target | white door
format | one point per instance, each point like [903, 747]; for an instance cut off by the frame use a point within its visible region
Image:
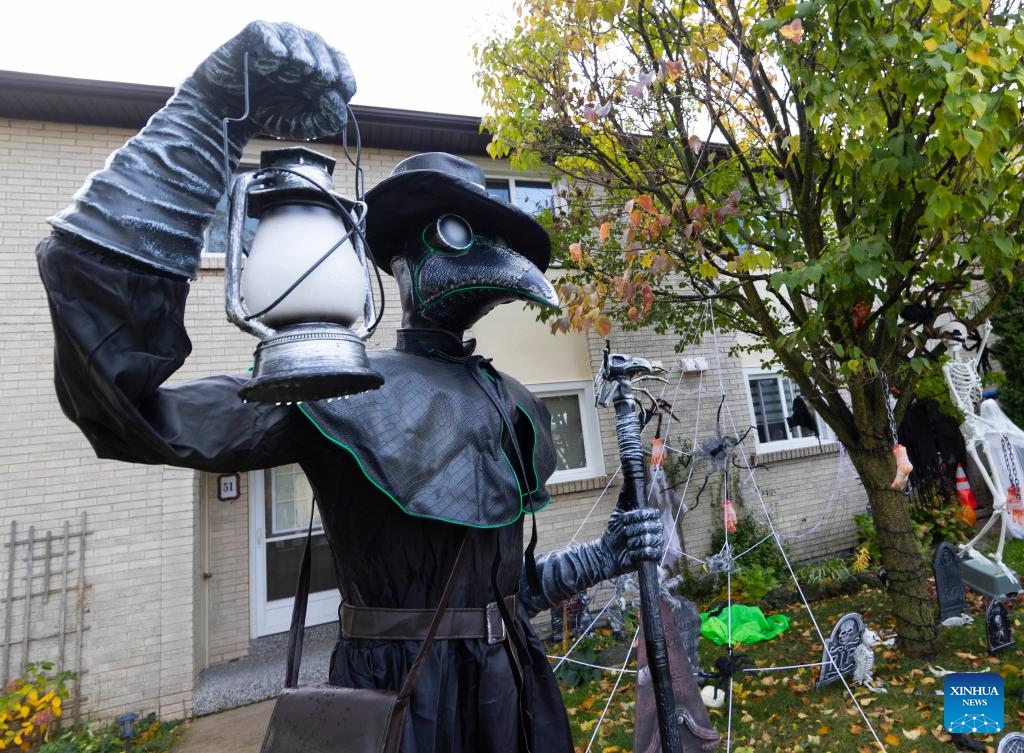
[282, 500]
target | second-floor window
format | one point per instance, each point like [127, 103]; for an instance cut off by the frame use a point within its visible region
[531, 196]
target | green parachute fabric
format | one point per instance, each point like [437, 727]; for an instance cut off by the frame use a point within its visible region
[749, 625]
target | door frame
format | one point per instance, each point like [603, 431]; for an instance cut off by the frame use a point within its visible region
[270, 617]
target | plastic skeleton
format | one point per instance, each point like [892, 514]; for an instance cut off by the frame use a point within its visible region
[864, 660]
[964, 381]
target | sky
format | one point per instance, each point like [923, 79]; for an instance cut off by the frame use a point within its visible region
[405, 54]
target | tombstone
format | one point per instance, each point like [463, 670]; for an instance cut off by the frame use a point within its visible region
[1013, 742]
[949, 584]
[840, 646]
[688, 624]
[575, 608]
[998, 627]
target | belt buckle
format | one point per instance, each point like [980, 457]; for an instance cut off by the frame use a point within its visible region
[496, 631]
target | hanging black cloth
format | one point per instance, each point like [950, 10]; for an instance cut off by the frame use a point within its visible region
[934, 444]
[802, 417]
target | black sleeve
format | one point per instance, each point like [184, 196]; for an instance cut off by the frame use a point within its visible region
[119, 334]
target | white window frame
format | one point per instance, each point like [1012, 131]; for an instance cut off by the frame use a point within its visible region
[583, 390]
[824, 432]
[512, 182]
[270, 617]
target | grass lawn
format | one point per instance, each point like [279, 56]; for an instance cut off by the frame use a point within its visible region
[783, 711]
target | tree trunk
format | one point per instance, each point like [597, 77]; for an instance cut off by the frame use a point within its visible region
[907, 572]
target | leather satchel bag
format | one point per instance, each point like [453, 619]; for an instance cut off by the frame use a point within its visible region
[328, 719]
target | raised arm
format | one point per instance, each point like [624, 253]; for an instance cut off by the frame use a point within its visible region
[117, 265]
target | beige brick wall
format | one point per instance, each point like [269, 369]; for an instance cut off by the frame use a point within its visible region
[138, 640]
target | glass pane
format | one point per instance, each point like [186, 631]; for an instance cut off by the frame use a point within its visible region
[791, 391]
[567, 431]
[499, 190]
[217, 232]
[533, 198]
[769, 414]
[284, 559]
[289, 501]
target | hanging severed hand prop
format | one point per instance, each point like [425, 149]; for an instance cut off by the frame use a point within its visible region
[155, 197]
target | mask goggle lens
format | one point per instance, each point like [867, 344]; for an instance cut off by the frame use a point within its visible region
[449, 233]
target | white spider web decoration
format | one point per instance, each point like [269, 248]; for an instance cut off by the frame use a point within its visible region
[759, 508]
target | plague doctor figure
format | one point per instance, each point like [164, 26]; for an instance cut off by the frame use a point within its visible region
[399, 473]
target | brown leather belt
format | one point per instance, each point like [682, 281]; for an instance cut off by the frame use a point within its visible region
[375, 623]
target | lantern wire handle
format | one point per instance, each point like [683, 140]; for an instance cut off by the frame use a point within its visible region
[358, 188]
[360, 204]
[244, 116]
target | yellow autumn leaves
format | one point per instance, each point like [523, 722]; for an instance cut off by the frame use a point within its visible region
[29, 705]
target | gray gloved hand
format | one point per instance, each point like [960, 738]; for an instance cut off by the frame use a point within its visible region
[298, 85]
[634, 535]
[631, 536]
[156, 195]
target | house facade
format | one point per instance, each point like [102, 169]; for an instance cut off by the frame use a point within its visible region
[139, 578]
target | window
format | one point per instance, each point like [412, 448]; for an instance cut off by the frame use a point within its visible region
[574, 429]
[288, 503]
[772, 411]
[532, 197]
[217, 230]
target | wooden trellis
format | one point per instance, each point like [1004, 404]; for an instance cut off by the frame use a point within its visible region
[44, 601]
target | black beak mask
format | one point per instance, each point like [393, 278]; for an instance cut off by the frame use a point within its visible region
[456, 251]
[452, 277]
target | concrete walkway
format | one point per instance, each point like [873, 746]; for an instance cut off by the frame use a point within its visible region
[233, 701]
[238, 730]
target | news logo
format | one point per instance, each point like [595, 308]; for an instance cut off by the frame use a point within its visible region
[973, 703]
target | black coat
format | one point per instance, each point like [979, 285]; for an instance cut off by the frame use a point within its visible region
[119, 335]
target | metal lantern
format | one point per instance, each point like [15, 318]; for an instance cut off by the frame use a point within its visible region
[303, 284]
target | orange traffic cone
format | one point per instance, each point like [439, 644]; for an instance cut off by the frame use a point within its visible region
[963, 489]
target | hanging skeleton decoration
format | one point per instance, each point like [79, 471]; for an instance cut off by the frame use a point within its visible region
[988, 434]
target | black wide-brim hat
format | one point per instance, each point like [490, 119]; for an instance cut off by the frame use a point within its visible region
[423, 187]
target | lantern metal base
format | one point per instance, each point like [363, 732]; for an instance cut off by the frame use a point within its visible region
[309, 361]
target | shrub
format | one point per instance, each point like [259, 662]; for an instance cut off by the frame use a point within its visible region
[152, 736]
[30, 705]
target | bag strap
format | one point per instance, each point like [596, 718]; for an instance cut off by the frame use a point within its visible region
[298, 626]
